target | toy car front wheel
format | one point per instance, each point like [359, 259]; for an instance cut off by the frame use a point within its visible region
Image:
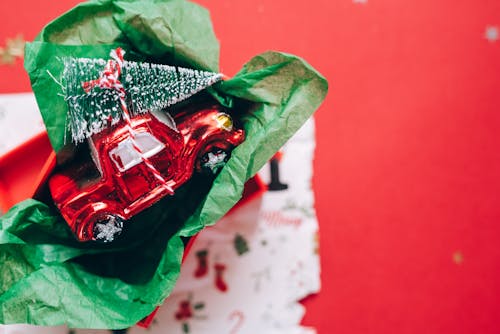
[214, 159]
[107, 228]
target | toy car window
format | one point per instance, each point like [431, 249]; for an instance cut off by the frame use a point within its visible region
[165, 118]
[94, 155]
[125, 156]
[148, 144]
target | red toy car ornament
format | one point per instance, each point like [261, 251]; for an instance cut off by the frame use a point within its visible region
[131, 169]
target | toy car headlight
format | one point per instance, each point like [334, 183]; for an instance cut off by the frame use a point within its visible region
[224, 121]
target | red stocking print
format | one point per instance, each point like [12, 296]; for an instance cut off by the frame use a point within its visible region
[219, 279]
[202, 268]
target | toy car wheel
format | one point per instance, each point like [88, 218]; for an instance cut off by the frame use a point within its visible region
[213, 160]
[108, 227]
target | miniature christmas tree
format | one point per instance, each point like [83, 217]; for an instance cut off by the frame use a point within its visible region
[94, 104]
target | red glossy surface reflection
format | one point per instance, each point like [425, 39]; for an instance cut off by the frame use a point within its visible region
[116, 183]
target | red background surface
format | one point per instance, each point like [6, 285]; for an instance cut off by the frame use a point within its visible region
[407, 163]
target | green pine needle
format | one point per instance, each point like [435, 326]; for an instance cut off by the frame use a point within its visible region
[147, 86]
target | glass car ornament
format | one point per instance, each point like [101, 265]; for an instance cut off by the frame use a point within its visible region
[96, 199]
[140, 153]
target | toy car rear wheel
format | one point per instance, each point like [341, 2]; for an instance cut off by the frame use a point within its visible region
[107, 228]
